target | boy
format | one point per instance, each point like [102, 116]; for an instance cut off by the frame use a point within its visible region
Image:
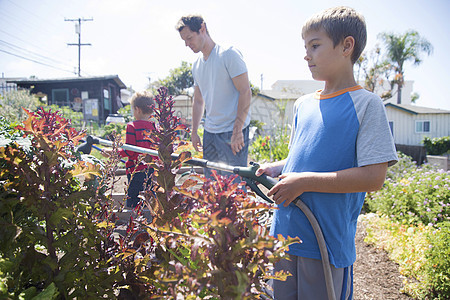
[340, 148]
[142, 106]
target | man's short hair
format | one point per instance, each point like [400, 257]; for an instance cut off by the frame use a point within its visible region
[339, 23]
[144, 100]
[193, 22]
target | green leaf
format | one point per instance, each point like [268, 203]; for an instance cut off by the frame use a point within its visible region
[50, 292]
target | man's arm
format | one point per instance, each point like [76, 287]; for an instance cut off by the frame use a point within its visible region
[198, 107]
[241, 83]
[361, 179]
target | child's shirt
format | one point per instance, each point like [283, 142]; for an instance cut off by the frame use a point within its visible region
[135, 135]
[339, 131]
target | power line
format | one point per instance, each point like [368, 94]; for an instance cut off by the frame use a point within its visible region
[29, 52]
[35, 61]
[78, 31]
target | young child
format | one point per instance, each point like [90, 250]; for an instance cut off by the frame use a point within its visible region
[340, 148]
[141, 105]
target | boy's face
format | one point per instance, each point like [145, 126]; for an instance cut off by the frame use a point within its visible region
[192, 39]
[324, 60]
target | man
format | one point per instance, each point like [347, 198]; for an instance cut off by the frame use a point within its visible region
[221, 86]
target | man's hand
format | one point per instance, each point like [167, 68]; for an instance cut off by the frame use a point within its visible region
[237, 141]
[196, 142]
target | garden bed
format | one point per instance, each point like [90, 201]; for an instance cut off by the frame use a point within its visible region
[375, 275]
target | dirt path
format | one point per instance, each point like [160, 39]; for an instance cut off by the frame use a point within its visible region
[374, 275]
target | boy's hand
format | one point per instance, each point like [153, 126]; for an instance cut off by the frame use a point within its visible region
[269, 169]
[287, 189]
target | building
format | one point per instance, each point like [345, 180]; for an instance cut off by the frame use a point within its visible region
[273, 109]
[96, 97]
[409, 123]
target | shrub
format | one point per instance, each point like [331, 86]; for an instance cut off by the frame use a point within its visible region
[268, 149]
[114, 128]
[51, 242]
[61, 238]
[422, 253]
[12, 102]
[437, 146]
[419, 195]
[438, 262]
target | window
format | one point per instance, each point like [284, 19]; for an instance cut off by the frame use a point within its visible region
[106, 100]
[60, 97]
[422, 126]
[391, 126]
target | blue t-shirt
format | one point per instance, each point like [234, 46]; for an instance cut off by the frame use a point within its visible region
[214, 79]
[334, 132]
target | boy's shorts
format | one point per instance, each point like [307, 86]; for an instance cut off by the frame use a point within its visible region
[308, 280]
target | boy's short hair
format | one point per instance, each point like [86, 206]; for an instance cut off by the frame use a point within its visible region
[193, 22]
[144, 101]
[339, 23]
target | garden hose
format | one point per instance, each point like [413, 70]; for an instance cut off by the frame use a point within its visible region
[249, 175]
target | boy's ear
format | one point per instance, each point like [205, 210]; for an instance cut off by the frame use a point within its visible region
[349, 45]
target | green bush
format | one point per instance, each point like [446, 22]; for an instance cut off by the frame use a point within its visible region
[117, 128]
[438, 262]
[437, 146]
[422, 253]
[404, 165]
[415, 203]
[415, 195]
[12, 102]
[268, 149]
[52, 244]
[61, 238]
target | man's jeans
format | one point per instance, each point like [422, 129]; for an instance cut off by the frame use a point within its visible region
[217, 148]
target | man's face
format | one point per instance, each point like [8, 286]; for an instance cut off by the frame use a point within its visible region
[192, 39]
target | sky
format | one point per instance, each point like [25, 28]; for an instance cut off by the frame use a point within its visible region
[137, 40]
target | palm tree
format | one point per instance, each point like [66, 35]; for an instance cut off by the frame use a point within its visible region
[401, 48]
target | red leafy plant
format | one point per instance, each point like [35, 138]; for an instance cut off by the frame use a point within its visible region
[61, 238]
[52, 244]
[203, 241]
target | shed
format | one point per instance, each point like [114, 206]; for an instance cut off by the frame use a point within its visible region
[96, 97]
[274, 108]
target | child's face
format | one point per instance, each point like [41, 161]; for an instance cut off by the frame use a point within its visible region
[324, 60]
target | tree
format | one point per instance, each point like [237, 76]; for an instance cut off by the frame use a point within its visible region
[178, 82]
[374, 71]
[12, 102]
[402, 48]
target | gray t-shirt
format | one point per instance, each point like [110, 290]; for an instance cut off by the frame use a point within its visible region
[214, 79]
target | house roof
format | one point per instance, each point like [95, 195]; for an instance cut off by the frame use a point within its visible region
[413, 109]
[274, 95]
[115, 78]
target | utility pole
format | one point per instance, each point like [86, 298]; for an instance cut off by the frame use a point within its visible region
[78, 31]
[262, 79]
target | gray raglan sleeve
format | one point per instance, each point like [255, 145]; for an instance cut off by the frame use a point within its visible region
[375, 143]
